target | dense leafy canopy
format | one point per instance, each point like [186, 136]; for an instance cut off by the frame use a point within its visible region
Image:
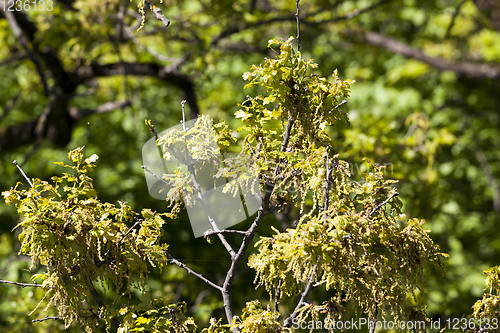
[424, 104]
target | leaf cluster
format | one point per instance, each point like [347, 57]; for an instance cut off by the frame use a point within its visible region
[81, 240]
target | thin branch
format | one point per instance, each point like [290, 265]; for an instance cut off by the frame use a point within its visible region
[453, 19]
[139, 221]
[231, 273]
[24, 285]
[46, 318]
[183, 115]
[78, 115]
[338, 105]
[226, 231]
[15, 57]
[22, 172]
[317, 284]
[327, 182]
[348, 16]
[277, 295]
[168, 74]
[190, 271]
[201, 200]
[9, 106]
[374, 322]
[298, 24]
[154, 175]
[468, 69]
[158, 14]
[383, 203]
[302, 301]
[249, 146]
[18, 33]
[288, 130]
[100, 303]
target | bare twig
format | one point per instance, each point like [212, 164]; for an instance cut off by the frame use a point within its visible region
[327, 182]
[249, 146]
[78, 115]
[348, 16]
[288, 130]
[46, 318]
[18, 32]
[337, 106]
[201, 200]
[190, 271]
[281, 18]
[453, 18]
[22, 172]
[462, 68]
[158, 14]
[383, 203]
[183, 115]
[317, 284]
[157, 177]
[298, 24]
[139, 221]
[226, 231]
[24, 285]
[277, 295]
[9, 106]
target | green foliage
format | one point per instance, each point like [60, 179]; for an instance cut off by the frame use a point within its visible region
[160, 318]
[346, 240]
[426, 124]
[346, 236]
[489, 306]
[81, 240]
[254, 319]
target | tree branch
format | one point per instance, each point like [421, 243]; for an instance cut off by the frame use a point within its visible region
[24, 285]
[207, 213]
[18, 33]
[77, 115]
[158, 14]
[231, 273]
[190, 271]
[302, 301]
[462, 68]
[97, 298]
[306, 19]
[167, 74]
[383, 203]
[227, 231]
[46, 318]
